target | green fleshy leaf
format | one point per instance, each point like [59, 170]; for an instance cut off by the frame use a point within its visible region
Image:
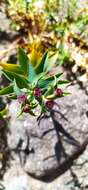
[16, 88]
[11, 67]
[4, 112]
[32, 113]
[20, 112]
[49, 91]
[7, 90]
[33, 105]
[51, 62]
[32, 74]
[42, 66]
[38, 77]
[44, 82]
[21, 81]
[66, 93]
[12, 97]
[62, 82]
[23, 61]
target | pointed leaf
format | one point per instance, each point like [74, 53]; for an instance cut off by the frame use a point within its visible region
[4, 112]
[50, 62]
[23, 61]
[12, 97]
[44, 82]
[66, 93]
[11, 67]
[32, 113]
[35, 57]
[62, 82]
[33, 105]
[21, 81]
[16, 88]
[7, 90]
[32, 74]
[49, 91]
[42, 66]
[39, 77]
[20, 112]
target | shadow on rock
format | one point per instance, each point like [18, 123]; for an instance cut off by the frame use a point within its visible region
[4, 151]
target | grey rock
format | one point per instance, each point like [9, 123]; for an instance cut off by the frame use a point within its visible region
[16, 183]
[16, 178]
[80, 169]
[37, 153]
[48, 149]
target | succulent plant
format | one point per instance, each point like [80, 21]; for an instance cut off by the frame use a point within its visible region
[32, 85]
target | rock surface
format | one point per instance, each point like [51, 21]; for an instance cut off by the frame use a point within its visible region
[48, 149]
[74, 179]
[16, 177]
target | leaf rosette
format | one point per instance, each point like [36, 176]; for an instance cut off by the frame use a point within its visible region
[32, 85]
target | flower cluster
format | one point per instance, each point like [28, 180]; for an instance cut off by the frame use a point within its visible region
[38, 96]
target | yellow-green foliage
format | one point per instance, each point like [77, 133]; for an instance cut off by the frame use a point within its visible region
[49, 24]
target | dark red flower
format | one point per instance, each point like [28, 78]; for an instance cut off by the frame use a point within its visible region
[59, 92]
[37, 92]
[49, 104]
[26, 109]
[22, 98]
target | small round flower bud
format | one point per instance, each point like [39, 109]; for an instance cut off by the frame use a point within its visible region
[26, 109]
[59, 92]
[22, 98]
[37, 92]
[49, 104]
